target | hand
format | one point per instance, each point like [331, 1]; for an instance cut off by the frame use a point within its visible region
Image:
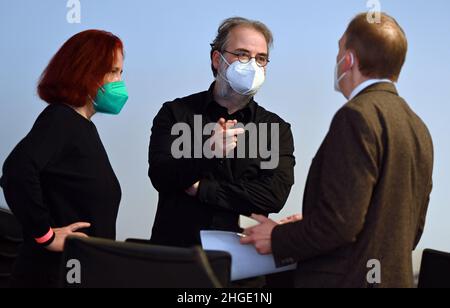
[224, 138]
[261, 235]
[291, 219]
[193, 190]
[62, 233]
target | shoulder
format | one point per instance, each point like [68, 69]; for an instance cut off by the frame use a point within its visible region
[193, 103]
[378, 101]
[56, 115]
[352, 116]
[265, 116]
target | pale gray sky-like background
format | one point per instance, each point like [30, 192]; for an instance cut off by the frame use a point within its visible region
[167, 56]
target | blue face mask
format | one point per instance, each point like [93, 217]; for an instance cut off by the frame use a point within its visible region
[111, 98]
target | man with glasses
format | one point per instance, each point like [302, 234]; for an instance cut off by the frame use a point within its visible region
[200, 193]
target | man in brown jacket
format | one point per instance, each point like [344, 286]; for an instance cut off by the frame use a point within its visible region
[369, 185]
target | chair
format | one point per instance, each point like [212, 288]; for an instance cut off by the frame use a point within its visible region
[10, 241]
[109, 264]
[435, 270]
[220, 262]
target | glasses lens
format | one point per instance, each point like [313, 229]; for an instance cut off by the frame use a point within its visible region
[262, 61]
[244, 58]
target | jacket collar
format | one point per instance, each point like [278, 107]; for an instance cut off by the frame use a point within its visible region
[380, 87]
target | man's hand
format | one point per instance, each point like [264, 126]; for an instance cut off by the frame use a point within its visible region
[193, 190]
[291, 219]
[223, 141]
[62, 233]
[224, 138]
[261, 235]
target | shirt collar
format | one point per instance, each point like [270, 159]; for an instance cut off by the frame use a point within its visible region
[365, 85]
[249, 111]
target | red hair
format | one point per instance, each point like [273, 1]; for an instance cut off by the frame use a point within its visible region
[78, 69]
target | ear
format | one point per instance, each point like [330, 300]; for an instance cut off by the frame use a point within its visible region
[350, 60]
[216, 60]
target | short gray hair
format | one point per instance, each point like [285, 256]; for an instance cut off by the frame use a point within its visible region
[221, 40]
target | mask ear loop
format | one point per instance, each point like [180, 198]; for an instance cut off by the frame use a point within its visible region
[352, 59]
[225, 78]
[100, 87]
[220, 74]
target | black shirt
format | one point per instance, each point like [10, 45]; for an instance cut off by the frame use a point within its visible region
[228, 187]
[60, 174]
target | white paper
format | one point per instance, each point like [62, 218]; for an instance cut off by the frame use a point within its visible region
[247, 222]
[246, 262]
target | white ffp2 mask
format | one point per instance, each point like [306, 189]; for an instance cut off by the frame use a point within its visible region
[244, 78]
[337, 78]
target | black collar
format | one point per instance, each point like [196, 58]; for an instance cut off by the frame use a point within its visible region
[211, 107]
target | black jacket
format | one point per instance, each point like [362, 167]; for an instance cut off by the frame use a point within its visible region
[59, 174]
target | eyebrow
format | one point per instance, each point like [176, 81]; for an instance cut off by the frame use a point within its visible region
[247, 51]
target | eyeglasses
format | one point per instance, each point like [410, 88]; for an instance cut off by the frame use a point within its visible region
[244, 57]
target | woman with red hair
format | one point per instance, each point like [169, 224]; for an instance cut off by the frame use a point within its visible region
[58, 181]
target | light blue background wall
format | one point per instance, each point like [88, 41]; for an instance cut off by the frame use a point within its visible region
[167, 56]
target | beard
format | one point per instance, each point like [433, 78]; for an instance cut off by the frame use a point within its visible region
[225, 91]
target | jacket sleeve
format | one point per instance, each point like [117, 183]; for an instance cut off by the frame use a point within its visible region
[348, 172]
[265, 194]
[169, 174]
[422, 219]
[21, 180]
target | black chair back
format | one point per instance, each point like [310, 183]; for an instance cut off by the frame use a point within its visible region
[435, 270]
[220, 262]
[10, 241]
[109, 264]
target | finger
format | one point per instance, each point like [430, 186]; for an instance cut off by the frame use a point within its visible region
[260, 218]
[231, 124]
[246, 240]
[79, 234]
[221, 122]
[230, 146]
[250, 231]
[79, 225]
[247, 232]
[295, 218]
[287, 219]
[234, 132]
[230, 142]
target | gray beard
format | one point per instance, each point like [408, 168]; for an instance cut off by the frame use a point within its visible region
[226, 92]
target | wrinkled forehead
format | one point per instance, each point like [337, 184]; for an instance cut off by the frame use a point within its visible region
[247, 38]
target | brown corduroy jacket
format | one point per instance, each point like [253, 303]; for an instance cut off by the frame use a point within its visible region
[366, 197]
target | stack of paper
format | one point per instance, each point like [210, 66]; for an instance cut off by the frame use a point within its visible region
[246, 261]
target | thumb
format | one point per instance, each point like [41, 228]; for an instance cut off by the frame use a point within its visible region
[79, 234]
[231, 124]
[222, 122]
